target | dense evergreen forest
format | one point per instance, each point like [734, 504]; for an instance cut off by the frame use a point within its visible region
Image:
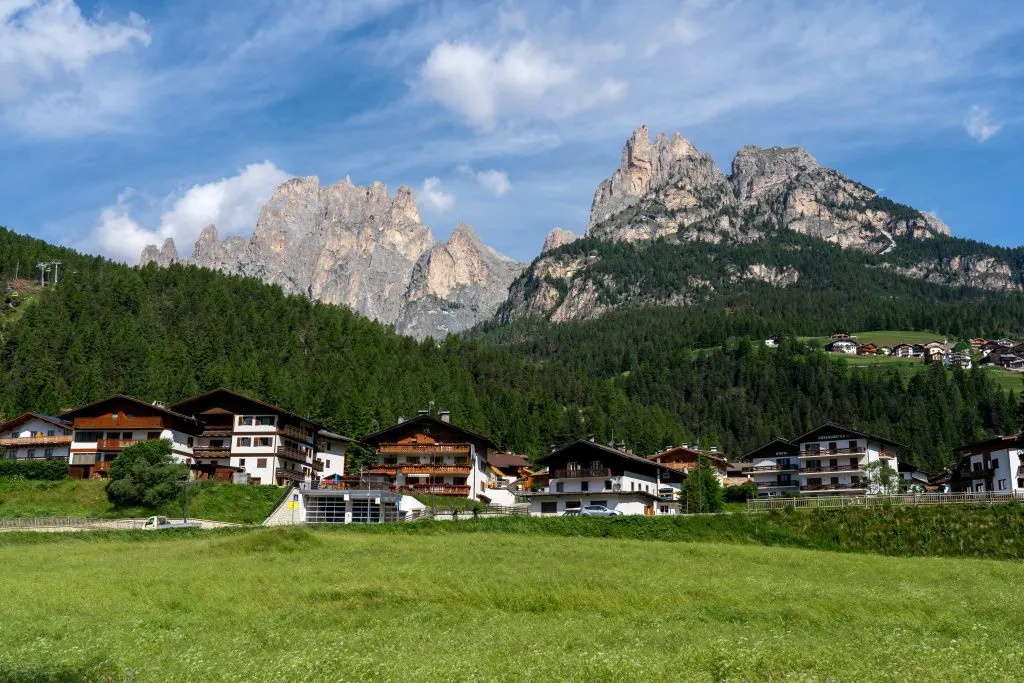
[637, 376]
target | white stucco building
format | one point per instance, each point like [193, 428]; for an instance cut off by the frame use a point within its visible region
[32, 436]
[991, 466]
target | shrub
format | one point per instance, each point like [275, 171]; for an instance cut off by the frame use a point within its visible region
[145, 475]
[741, 493]
[47, 470]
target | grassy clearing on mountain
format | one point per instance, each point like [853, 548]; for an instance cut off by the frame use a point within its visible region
[314, 605]
[77, 498]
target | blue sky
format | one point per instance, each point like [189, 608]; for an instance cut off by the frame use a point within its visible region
[122, 122]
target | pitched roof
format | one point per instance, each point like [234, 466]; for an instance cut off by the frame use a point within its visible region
[849, 430]
[180, 405]
[25, 417]
[776, 441]
[332, 435]
[431, 420]
[131, 399]
[1008, 439]
[507, 460]
[610, 451]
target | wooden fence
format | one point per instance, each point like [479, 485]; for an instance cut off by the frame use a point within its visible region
[780, 503]
[69, 523]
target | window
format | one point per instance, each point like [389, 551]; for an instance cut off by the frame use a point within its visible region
[327, 464]
[572, 505]
[127, 436]
[1002, 484]
[608, 485]
[832, 446]
[189, 442]
[390, 460]
[995, 463]
[559, 487]
[572, 466]
[88, 437]
[216, 443]
[548, 508]
[265, 420]
[261, 462]
[244, 442]
[113, 435]
[82, 458]
[241, 462]
[48, 453]
[853, 445]
[262, 441]
[1020, 483]
[152, 436]
[976, 467]
[245, 420]
[51, 432]
[834, 462]
[632, 486]
[596, 464]
[584, 486]
[31, 452]
[813, 448]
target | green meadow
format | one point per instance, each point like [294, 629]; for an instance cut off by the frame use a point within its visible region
[434, 603]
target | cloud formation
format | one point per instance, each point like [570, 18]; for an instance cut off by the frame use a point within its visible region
[494, 181]
[232, 204]
[435, 197]
[979, 124]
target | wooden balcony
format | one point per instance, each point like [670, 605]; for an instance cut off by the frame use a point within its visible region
[211, 451]
[293, 454]
[115, 444]
[289, 475]
[56, 440]
[120, 423]
[582, 473]
[295, 433]
[983, 473]
[438, 470]
[833, 451]
[776, 484]
[435, 489]
[834, 468]
[424, 448]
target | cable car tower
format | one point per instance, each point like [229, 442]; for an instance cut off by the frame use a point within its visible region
[44, 270]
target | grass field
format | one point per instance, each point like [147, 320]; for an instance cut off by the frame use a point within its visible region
[297, 604]
[221, 502]
[885, 337]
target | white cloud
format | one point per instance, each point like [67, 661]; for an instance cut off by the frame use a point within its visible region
[979, 125]
[435, 197]
[483, 84]
[42, 40]
[232, 204]
[496, 182]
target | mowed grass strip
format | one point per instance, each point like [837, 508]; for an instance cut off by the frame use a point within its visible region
[301, 604]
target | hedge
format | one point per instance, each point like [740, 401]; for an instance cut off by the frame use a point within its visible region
[50, 470]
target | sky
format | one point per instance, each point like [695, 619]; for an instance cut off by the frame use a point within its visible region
[123, 122]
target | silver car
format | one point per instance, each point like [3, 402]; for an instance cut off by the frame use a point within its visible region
[597, 511]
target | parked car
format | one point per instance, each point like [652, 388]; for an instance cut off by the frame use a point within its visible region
[160, 522]
[597, 511]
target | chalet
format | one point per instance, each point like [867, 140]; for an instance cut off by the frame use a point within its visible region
[918, 351]
[992, 465]
[962, 360]
[587, 473]
[1005, 360]
[686, 459]
[867, 350]
[978, 343]
[772, 342]
[259, 442]
[505, 472]
[842, 346]
[832, 459]
[839, 334]
[431, 456]
[903, 351]
[32, 436]
[997, 345]
[912, 477]
[774, 467]
[934, 355]
[101, 430]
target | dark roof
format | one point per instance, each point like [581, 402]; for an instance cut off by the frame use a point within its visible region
[773, 442]
[995, 441]
[500, 460]
[332, 435]
[132, 399]
[221, 390]
[25, 417]
[609, 451]
[834, 426]
[431, 420]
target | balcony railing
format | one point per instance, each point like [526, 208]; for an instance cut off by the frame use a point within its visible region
[212, 451]
[56, 440]
[119, 423]
[296, 433]
[772, 468]
[831, 487]
[294, 454]
[582, 473]
[833, 451]
[290, 475]
[462, 448]
[834, 468]
[776, 484]
[115, 444]
[983, 473]
[436, 489]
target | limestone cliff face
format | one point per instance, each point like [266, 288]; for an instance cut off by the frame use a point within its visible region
[362, 248]
[163, 257]
[558, 238]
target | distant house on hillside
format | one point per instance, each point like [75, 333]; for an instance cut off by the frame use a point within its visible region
[884, 351]
[962, 359]
[32, 436]
[1005, 360]
[867, 350]
[934, 355]
[903, 351]
[839, 334]
[998, 345]
[772, 342]
[846, 346]
[978, 343]
[917, 351]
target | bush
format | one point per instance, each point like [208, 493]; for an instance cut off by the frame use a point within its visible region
[46, 470]
[701, 492]
[741, 493]
[145, 475]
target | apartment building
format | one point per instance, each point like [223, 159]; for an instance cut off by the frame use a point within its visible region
[774, 467]
[992, 465]
[330, 450]
[264, 444]
[102, 429]
[430, 455]
[587, 473]
[32, 436]
[829, 459]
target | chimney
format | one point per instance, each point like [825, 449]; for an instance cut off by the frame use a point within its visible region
[401, 419]
[421, 413]
[445, 415]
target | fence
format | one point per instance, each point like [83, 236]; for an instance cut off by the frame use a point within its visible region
[780, 503]
[69, 523]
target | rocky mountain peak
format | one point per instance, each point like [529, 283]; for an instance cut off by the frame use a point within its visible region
[163, 257]
[756, 170]
[557, 238]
